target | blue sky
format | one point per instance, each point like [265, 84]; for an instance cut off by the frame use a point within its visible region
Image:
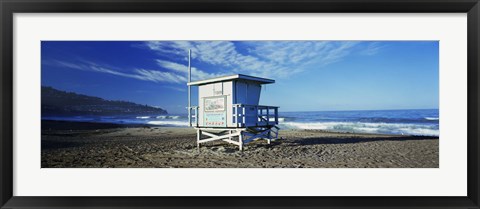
[310, 75]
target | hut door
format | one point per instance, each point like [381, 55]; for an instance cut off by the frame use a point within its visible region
[215, 111]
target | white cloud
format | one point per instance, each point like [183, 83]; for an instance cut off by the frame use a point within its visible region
[302, 52]
[260, 58]
[170, 47]
[372, 48]
[196, 73]
[66, 64]
[272, 59]
[159, 76]
[218, 53]
[139, 74]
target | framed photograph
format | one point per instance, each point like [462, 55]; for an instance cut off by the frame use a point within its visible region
[265, 104]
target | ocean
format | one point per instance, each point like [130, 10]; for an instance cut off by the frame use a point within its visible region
[423, 122]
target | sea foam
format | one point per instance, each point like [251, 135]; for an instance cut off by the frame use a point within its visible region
[357, 127]
[168, 123]
[168, 117]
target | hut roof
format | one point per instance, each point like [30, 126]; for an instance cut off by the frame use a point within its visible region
[231, 78]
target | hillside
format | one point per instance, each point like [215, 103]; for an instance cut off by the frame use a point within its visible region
[61, 103]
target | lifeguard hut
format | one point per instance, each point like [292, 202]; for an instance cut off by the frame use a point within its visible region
[228, 110]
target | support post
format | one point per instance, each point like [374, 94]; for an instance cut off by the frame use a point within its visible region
[269, 140]
[240, 141]
[199, 136]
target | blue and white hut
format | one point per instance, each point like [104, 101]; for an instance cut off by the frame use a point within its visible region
[228, 110]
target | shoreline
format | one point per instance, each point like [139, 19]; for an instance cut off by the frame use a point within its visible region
[83, 125]
[87, 145]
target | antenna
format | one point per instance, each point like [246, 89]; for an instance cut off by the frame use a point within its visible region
[189, 88]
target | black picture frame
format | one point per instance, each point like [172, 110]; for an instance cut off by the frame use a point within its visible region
[10, 7]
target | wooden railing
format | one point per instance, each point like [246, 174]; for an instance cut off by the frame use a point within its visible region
[265, 115]
[193, 120]
[242, 114]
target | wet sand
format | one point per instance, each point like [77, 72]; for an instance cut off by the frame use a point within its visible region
[93, 145]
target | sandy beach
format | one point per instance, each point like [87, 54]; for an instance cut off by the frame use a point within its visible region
[95, 145]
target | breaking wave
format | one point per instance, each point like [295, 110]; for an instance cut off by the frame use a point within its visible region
[168, 117]
[168, 123]
[358, 127]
